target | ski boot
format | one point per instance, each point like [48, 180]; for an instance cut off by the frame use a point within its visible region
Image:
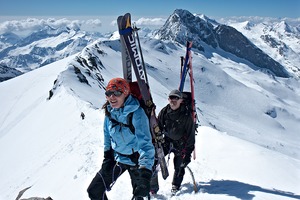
[174, 189]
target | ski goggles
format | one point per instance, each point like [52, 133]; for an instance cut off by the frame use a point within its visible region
[116, 93]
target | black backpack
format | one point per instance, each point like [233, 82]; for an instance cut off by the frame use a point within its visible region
[187, 100]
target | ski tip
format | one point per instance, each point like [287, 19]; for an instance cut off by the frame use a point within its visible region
[124, 21]
[127, 17]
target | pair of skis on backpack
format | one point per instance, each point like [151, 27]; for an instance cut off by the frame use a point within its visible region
[132, 57]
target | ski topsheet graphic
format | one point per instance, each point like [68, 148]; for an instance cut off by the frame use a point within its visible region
[128, 39]
[126, 63]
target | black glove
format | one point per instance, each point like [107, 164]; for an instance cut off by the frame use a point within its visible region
[109, 160]
[142, 183]
[109, 154]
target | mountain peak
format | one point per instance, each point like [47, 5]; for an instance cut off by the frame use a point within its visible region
[283, 25]
[182, 12]
[183, 26]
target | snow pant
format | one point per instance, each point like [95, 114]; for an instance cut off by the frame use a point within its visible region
[106, 177]
[177, 161]
[178, 172]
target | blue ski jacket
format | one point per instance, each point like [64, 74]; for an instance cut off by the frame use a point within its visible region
[123, 141]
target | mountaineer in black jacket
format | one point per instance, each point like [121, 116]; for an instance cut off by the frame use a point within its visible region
[176, 122]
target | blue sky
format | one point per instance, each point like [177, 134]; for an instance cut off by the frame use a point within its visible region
[151, 8]
[98, 15]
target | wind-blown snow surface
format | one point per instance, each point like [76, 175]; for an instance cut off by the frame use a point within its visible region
[253, 152]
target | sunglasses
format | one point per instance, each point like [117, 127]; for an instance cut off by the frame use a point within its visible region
[173, 97]
[115, 93]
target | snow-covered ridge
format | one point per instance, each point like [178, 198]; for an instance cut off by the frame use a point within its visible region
[279, 39]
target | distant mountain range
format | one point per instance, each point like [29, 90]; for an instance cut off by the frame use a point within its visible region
[40, 48]
[182, 26]
[270, 47]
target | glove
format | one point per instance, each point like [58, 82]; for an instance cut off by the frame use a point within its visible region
[109, 154]
[109, 160]
[142, 183]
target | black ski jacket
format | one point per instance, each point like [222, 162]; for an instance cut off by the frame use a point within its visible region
[178, 127]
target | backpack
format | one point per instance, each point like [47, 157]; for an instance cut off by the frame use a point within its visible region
[136, 93]
[188, 102]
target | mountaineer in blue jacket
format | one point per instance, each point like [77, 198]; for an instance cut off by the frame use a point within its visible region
[127, 145]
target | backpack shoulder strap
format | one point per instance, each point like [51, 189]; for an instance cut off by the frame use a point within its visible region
[129, 122]
[162, 116]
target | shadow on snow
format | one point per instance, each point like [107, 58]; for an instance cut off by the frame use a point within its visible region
[239, 190]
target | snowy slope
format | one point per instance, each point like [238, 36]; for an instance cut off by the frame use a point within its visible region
[247, 146]
[278, 38]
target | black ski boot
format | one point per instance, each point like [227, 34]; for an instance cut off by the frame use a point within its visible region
[174, 189]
